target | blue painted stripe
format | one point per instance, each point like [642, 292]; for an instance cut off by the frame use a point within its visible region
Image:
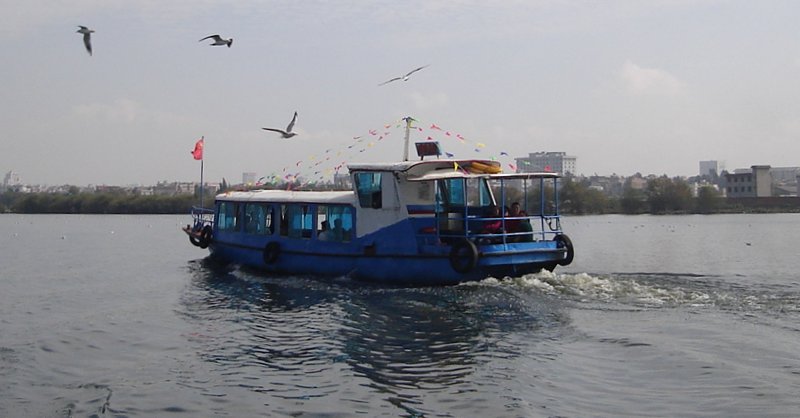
[421, 209]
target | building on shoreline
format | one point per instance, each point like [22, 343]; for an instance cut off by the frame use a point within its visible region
[755, 181]
[537, 162]
[761, 181]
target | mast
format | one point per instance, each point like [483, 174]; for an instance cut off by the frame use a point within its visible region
[202, 204]
[408, 120]
[202, 159]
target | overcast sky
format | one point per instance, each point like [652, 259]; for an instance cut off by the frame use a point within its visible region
[625, 86]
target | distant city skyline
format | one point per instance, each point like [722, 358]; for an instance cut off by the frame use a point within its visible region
[785, 173]
[626, 86]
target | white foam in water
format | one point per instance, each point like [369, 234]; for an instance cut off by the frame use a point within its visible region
[587, 287]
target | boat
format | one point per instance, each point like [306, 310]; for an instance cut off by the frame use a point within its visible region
[426, 222]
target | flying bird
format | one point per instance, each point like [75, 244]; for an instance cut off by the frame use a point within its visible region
[87, 38]
[288, 132]
[405, 77]
[218, 40]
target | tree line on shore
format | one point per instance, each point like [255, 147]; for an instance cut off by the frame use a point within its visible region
[95, 203]
[662, 195]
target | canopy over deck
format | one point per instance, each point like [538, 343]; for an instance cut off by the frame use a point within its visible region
[447, 168]
[344, 197]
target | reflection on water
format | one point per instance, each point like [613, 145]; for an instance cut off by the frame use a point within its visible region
[307, 334]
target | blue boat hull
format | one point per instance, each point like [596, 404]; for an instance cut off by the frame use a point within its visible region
[368, 260]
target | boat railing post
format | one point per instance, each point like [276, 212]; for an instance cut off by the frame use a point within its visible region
[541, 208]
[503, 213]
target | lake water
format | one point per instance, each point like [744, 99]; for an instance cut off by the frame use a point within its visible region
[658, 316]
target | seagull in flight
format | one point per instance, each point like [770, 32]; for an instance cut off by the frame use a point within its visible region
[288, 132]
[405, 77]
[218, 40]
[87, 37]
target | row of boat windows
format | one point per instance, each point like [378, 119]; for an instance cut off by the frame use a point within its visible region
[322, 222]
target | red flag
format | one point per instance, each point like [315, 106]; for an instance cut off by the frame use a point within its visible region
[198, 149]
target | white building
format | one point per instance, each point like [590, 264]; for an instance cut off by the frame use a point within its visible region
[557, 162]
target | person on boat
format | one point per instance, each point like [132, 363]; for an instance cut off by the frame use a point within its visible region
[494, 223]
[325, 233]
[526, 227]
[513, 224]
[337, 233]
[518, 223]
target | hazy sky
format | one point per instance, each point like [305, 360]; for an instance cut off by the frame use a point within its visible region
[625, 86]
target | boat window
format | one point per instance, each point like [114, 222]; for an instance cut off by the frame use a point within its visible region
[456, 192]
[228, 216]
[478, 193]
[452, 190]
[368, 187]
[338, 223]
[322, 219]
[258, 218]
[299, 221]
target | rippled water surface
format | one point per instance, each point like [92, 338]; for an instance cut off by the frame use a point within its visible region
[658, 316]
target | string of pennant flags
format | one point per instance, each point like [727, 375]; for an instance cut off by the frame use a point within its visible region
[317, 168]
[321, 167]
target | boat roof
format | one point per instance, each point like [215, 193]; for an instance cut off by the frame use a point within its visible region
[289, 196]
[401, 166]
[452, 174]
[446, 168]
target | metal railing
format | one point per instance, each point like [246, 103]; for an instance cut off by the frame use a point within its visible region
[512, 229]
[201, 217]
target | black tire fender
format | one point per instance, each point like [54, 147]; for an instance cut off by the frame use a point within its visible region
[194, 240]
[205, 237]
[563, 241]
[464, 256]
[271, 252]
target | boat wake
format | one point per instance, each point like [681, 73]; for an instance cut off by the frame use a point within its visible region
[656, 290]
